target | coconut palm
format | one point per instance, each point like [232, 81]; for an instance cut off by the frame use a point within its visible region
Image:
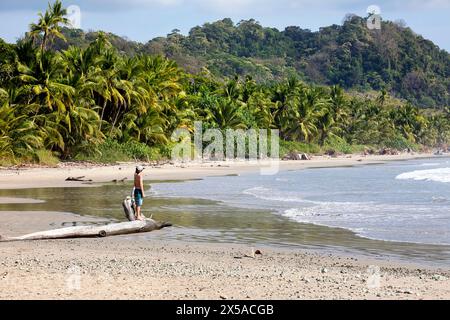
[226, 115]
[302, 122]
[49, 25]
[19, 135]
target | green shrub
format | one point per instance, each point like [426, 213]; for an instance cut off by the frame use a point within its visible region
[7, 161]
[287, 147]
[401, 143]
[46, 158]
[340, 145]
[112, 151]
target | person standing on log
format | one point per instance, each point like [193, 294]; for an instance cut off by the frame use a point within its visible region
[139, 193]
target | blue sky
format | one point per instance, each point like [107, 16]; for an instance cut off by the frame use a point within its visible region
[142, 20]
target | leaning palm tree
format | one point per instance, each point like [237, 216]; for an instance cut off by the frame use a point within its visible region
[19, 135]
[41, 83]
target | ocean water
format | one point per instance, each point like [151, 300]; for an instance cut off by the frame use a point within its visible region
[403, 202]
[399, 210]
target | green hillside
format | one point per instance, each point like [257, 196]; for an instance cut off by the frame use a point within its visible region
[394, 58]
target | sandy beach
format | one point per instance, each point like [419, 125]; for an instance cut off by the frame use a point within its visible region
[131, 267]
[37, 177]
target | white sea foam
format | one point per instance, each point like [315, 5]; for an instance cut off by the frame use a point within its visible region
[375, 221]
[430, 164]
[274, 195]
[437, 175]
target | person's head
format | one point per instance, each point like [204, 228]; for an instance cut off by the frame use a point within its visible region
[139, 169]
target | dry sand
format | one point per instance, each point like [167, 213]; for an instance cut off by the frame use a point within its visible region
[133, 268]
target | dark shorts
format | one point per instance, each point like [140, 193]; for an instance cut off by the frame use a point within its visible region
[138, 197]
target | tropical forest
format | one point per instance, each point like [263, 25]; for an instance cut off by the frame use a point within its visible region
[67, 94]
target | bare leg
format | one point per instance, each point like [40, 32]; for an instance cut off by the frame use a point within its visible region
[138, 213]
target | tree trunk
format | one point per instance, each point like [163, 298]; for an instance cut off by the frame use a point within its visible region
[44, 42]
[102, 114]
[93, 231]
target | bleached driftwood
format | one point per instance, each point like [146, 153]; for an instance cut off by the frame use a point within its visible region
[93, 231]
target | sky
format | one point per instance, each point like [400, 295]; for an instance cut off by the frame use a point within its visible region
[142, 20]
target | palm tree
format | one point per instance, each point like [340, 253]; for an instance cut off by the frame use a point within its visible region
[41, 84]
[226, 115]
[285, 97]
[19, 135]
[334, 118]
[302, 122]
[49, 24]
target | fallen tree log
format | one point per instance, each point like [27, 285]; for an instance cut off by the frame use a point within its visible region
[93, 231]
[78, 179]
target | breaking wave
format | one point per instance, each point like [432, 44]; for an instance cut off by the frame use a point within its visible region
[437, 175]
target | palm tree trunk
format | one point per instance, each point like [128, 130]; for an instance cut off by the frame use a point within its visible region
[44, 42]
[102, 114]
[115, 119]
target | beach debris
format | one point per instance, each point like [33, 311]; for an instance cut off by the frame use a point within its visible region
[438, 277]
[333, 153]
[122, 180]
[388, 151]
[78, 179]
[93, 231]
[297, 156]
[407, 291]
[223, 297]
[252, 254]
[324, 270]
[368, 151]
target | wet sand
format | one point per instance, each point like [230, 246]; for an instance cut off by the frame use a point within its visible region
[132, 267]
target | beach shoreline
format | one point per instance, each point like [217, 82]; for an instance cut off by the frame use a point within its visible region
[55, 177]
[130, 267]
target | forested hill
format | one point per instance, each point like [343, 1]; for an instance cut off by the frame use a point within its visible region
[393, 58]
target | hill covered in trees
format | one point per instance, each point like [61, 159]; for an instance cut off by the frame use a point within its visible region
[394, 58]
[103, 98]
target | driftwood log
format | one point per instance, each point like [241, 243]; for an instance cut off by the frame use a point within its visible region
[93, 231]
[78, 179]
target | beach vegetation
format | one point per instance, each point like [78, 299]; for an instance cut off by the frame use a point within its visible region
[95, 101]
